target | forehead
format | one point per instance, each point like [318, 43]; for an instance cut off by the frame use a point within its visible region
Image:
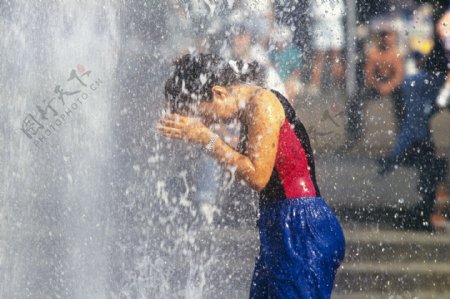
[194, 107]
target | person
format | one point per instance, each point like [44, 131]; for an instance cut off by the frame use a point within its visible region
[440, 219]
[383, 76]
[244, 47]
[262, 15]
[287, 61]
[328, 41]
[443, 33]
[301, 241]
[414, 146]
[384, 71]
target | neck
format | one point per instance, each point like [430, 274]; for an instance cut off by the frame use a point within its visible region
[244, 91]
[242, 94]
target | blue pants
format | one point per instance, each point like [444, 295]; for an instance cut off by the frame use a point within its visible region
[302, 246]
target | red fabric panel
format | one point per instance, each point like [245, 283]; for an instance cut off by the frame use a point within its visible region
[292, 165]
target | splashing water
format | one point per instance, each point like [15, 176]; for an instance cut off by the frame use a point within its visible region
[94, 204]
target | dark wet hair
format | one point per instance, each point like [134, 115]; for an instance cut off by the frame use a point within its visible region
[195, 75]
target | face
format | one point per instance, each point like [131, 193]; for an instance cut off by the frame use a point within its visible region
[388, 39]
[223, 107]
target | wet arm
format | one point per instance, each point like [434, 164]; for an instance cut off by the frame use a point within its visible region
[255, 168]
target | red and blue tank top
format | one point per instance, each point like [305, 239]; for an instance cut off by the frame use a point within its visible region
[293, 175]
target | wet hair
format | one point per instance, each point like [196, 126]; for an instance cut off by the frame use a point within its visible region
[195, 75]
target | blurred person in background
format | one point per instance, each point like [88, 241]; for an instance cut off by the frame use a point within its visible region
[437, 65]
[424, 92]
[441, 64]
[244, 46]
[260, 12]
[197, 25]
[414, 146]
[382, 71]
[296, 15]
[287, 60]
[443, 32]
[328, 41]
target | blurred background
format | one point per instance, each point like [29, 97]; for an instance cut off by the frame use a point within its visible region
[95, 204]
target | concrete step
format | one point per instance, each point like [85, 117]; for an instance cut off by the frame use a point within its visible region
[352, 181]
[392, 295]
[382, 246]
[378, 261]
[394, 262]
[393, 276]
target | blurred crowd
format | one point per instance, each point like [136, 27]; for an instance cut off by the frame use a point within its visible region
[401, 51]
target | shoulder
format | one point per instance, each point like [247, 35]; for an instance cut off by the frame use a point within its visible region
[264, 103]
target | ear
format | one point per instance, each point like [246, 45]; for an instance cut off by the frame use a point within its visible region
[219, 92]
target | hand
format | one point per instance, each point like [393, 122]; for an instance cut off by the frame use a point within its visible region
[185, 128]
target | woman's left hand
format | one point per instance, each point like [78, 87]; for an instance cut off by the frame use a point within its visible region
[189, 129]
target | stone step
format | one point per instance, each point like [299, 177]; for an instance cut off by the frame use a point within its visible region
[352, 187]
[393, 277]
[377, 261]
[394, 262]
[352, 181]
[405, 246]
[392, 295]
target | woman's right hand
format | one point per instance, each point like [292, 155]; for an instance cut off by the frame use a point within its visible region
[189, 129]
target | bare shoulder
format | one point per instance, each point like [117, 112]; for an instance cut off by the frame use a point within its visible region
[265, 104]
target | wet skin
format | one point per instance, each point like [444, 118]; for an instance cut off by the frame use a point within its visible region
[256, 108]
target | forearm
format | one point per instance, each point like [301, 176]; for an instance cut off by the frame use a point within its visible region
[241, 164]
[256, 166]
